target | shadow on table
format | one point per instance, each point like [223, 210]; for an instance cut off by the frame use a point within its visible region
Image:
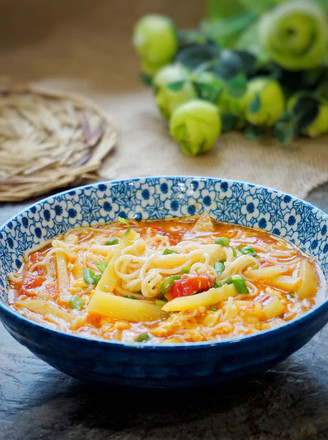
[290, 402]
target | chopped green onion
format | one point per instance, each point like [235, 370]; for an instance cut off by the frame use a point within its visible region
[124, 220]
[130, 296]
[169, 251]
[112, 241]
[142, 338]
[217, 284]
[88, 276]
[234, 252]
[168, 283]
[248, 250]
[97, 278]
[239, 284]
[102, 266]
[160, 302]
[76, 302]
[185, 269]
[223, 241]
[292, 294]
[213, 308]
[219, 267]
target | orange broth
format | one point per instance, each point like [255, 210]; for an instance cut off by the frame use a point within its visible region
[266, 305]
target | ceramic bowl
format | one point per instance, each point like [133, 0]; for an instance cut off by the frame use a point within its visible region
[164, 366]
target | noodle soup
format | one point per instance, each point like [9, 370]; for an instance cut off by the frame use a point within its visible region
[172, 281]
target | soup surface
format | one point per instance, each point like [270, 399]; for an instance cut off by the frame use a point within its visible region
[172, 281]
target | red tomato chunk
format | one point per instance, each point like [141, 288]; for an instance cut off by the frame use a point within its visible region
[190, 284]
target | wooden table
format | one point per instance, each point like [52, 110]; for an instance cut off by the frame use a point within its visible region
[288, 402]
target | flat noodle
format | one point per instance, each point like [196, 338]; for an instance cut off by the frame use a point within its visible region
[172, 281]
[62, 276]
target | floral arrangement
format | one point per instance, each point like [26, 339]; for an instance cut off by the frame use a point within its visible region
[256, 67]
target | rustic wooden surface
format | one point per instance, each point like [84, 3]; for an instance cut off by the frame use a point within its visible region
[289, 402]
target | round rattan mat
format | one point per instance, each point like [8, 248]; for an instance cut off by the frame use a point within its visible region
[49, 140]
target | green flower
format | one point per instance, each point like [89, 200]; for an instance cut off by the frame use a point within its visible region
[295, 34]
[320, 125]
[171, 73]
[155, 40]
[265, 101]
[195, 125]
[208, 85]
[228, 105]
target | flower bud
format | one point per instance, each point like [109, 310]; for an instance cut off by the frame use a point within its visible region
[195, 125]
[266, 102]
[155, 41]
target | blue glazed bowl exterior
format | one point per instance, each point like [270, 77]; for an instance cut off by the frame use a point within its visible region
[164, 366]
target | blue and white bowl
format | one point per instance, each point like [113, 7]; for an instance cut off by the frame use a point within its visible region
[164, 366]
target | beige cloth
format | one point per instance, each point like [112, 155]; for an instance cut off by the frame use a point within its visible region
[84, 47]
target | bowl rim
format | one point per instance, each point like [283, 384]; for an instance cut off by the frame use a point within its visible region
[310, 315]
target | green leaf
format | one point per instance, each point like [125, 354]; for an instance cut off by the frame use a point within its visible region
[286, 116]
[255, 105]
[145, 79]
[234, 62]
[221, 9]
[306, 111]
[130, 296]
[208, 92]
[229, 121]
[253, 132]
[237, 86]
[226, 32]
[176, 86]
[284, 132]
[190, 36]
[76, 302]
[193, 55]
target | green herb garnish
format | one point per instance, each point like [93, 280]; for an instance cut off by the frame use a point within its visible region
[213, 308]
[102, 266]
[239, 283]
[217, 284]
[248, 250]
[76, 302]
[130, 296]
[168, 283]
[219, 267]
[88, 276]
[223, 241]
[144, 337]
[169, 251]
[185, 269]
[234, 252]
[97, 278]
[124, 220]
[112, 241]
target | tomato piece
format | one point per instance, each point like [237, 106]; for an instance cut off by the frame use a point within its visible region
[31, 282]
[189, 284]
